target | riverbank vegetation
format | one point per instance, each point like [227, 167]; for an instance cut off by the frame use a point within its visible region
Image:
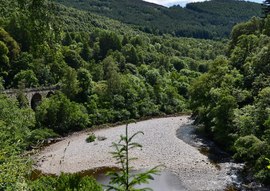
[108, 72]
[232, 98]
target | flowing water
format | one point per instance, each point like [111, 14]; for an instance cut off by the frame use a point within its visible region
[191, 135]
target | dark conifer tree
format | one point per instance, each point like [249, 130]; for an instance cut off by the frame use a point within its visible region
[266, 8]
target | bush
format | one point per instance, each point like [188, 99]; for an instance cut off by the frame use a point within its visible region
[248, 148]
[40, 135]
[61, 115]
[65, 182]
[91, 138]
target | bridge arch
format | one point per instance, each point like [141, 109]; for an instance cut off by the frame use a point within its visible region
[33, 95]
[36, 100]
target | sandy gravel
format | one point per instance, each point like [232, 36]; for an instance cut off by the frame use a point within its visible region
[160, 147]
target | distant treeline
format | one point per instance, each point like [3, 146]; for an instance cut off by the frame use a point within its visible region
[210, 19]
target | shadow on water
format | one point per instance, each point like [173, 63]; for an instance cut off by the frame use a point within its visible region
[192, 136]
[165, 181]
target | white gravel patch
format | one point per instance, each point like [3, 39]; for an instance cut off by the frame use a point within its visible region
[160, 147]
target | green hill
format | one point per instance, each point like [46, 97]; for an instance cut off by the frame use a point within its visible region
[211, 19]
[108, 71]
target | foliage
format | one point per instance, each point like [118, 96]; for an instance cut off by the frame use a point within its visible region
[109, 71]
[4, 59]
[15, 129]
[61, 115]
[266, 7]
[27, 77]
[65, 182]
[114, 74]
[232, 100]
[33, 25]
[91, 138]
[125, 180]
[269, 163]
[210, 19]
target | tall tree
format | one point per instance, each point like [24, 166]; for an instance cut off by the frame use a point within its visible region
[33, 24]
[266, 7]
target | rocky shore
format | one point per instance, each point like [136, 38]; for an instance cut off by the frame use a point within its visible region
[160, 144]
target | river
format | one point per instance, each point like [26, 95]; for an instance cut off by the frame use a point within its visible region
[167, 141]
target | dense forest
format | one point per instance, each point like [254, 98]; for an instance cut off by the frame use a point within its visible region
[108, 72]
[208, 20]
[232, 98]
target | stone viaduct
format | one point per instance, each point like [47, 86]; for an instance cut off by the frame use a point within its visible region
[33, 95]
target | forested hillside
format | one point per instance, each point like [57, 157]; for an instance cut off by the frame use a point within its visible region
[210, 19]
[109, 71]
[232, 99]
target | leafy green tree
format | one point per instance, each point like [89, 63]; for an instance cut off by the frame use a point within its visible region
[73, 59]
[111, 75]
[153, 77]
[12, 45]
[178, 63]
[85, 84]
[244, 120]
[34, 22]
[131, 54]
[15, 130]
[108, 41]
[217, 85]
[4, 60]
[86, 52]
[27, 77]
[125, 180]
[23, 62]
[1, 84]
[22, 99]
[61, 115]
[70, 84]
[246, 28]
[245, 46]
[269, 163]
[248, 148]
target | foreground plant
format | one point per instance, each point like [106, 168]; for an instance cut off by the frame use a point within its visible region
[268, 162]
[125, 180]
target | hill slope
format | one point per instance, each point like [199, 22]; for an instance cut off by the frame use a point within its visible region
[211, 19]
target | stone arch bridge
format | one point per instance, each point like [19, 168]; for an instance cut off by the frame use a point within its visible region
[33, 95]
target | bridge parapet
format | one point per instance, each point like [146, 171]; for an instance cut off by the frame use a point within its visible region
[33, 95]
[28, 90]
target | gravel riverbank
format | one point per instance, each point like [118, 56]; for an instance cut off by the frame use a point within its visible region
[160, 147]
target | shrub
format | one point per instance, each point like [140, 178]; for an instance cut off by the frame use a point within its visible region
[65, 182]
[91, 138]
[61, 114]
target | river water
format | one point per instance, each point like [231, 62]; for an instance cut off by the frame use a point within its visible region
[216, 155]
[165, 181]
